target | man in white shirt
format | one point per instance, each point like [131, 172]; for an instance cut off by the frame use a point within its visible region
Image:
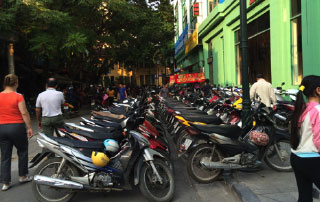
[264, 90]
[48, 108]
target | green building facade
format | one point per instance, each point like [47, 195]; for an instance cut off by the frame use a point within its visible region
[283, 41]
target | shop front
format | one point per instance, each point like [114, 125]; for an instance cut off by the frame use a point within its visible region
[277, 41]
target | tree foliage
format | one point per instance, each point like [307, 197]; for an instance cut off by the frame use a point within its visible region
[90, 35]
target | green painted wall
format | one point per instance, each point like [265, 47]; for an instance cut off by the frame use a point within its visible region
[280, 42]
[310, 11]
[224, 21]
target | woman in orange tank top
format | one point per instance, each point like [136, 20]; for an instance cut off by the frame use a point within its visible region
[14, 119]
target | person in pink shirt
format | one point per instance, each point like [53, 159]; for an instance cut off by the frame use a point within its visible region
[305, 137]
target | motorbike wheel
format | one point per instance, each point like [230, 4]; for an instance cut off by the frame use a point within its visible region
[199, 172]
[151, 188]
[277, 156]
[50, 194]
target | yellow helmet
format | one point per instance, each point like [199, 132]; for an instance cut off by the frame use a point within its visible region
[99, 159]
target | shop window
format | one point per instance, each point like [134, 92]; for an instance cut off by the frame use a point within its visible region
[296, 43]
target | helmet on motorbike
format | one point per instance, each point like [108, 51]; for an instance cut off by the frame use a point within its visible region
[99, 159]
[111, 145]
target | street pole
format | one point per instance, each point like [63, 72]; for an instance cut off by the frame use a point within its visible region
[11, 58]
[246, 105]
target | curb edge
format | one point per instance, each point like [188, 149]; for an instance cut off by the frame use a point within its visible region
[244, 193]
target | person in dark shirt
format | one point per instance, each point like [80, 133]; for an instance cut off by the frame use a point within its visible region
[206, 87]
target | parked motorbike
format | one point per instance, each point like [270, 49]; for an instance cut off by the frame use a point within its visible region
[231, 147]
[135, 164]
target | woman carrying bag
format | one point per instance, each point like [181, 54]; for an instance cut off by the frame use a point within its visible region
[14, 119]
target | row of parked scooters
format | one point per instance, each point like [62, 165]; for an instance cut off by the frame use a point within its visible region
[114, 150]
[126, 145]
[209, 134]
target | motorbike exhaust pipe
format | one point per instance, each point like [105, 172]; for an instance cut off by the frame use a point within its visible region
[218, 165]
[54, 182]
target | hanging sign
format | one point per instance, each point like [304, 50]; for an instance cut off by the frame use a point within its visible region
[196, 9]
[191, 42]
[179, 45]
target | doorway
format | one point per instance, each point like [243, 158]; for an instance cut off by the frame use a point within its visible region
[259, 56]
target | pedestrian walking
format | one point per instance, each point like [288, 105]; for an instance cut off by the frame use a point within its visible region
[48, 108]
[14, 119]
[111, 94]
[305, 138]
[264, 90]
[206, 88]
[122, 93]
[164, 92]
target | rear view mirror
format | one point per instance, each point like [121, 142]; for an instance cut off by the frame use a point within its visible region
[283, 83]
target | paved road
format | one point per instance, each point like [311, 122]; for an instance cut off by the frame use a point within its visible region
[186, 189]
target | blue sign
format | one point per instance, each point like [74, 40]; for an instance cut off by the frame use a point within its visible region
[179, 45]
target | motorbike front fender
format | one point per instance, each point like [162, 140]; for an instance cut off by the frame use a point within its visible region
[142, 159]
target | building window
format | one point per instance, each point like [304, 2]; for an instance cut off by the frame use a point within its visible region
[212, 4]
[176, 22]
[296, 44]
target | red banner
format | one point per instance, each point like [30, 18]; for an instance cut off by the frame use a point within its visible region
[187, 78]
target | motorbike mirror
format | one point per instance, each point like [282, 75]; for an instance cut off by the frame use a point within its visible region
[279, 88]
[283, 83]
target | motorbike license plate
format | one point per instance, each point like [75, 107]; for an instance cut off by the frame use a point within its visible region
[187, 143]
[65, 107]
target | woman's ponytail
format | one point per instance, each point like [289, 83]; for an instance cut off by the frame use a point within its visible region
[299, 107]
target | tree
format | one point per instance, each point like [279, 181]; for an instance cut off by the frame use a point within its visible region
[89, 36]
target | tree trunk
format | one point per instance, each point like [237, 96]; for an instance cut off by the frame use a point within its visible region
[11, 58]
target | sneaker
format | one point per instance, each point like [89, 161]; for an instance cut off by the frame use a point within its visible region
[5, 187]
[26, 179]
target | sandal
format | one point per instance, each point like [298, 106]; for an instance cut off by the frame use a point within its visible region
[26, 179]
[5, 187]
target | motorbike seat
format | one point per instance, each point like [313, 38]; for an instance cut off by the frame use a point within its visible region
[230, 131]
[285, 102]
[79, 144]
[106, 124]
[97, 135]
[190, 111]
[209, 119]
[108, 118]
